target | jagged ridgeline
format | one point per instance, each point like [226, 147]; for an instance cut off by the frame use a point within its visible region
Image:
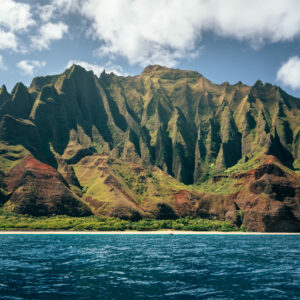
[176, 120]
[163, 144]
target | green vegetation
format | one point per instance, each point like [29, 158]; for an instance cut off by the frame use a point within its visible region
[244, 166]
[9, 221]
[10, 156]
[224, 186]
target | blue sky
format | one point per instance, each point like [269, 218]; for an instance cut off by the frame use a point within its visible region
[228, 40]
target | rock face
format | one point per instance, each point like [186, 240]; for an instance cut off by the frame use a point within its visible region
[39, 190]
[205, 205]
[128, 147]
[271, 201]
[176, 120]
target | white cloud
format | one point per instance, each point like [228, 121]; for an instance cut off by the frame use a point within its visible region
[289, 73]
[255, 21]
[8, 40]
[143, 31]
[67, 5]
[2, 65]
[29, 67]
[46, 12]
[56, 8]
[15, 16]
[157, 31]
[97, 69]
[47, 33]
[166, 31]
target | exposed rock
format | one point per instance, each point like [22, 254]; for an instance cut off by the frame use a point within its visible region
[164, 212]
[19, 131]
[235, 217]
[271, 201]
[38, 189]
[125, 213]
[185, 204]
[269, 168]
[204, 205]
[68, 173]
[80, 154]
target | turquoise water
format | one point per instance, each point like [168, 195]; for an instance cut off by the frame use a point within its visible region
[149, 267]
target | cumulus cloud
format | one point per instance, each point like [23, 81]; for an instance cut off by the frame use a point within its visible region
[289, 73]
[67, 5]
[57, 7]
[2, 65]
[256, 21]
[157, 31]
[97, 69]
[153, 31]
[165, 31]
[46, 12]
[8, 40]
[15, 16]
[48, 33]
[29, 67]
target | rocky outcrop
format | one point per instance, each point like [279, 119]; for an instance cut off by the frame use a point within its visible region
[38, 189]
[19, 131]
[67, 171]
[125, 213]
[268, 202]
[164, 211]
[205, 205]
[18, 104]
[271, 200]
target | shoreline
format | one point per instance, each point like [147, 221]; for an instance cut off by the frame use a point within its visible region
[132, 232]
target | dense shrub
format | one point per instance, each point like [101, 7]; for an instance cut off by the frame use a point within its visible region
[9, 221]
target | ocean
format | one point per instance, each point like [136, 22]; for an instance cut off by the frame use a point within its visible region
[149, 266]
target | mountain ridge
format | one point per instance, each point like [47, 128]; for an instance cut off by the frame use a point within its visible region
[163, 119]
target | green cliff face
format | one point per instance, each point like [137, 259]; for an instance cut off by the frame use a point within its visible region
[176, 120]
[168, 119]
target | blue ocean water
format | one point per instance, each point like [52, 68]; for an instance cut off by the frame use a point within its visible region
[149, 267]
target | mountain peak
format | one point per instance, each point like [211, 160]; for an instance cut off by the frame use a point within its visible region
[3, 89]
[74, 69]
[169, 73]
[37, 83]
[153, 68]
[19, 88]
[258, 83]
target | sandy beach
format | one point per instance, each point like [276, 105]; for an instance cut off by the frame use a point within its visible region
[159, 232]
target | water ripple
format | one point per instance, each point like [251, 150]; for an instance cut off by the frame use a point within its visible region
[149, 267]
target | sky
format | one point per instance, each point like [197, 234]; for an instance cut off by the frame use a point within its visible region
[232, 40]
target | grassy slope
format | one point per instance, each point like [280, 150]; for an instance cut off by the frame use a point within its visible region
[145, 186]
[10, 156]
